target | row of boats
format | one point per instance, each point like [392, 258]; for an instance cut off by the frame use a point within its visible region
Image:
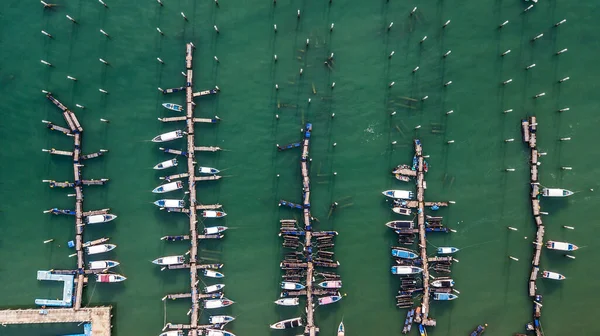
[173, 163]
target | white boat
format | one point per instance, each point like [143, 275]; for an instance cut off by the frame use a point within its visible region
[442, 283]
[169, 203]
[212, 274]
[96, 249]
[398, 194]
[287, 324]
[102, 264]
[330, 284]
[402, 211]
[553, 275]
[292, 285]
[96, 219]
[171, 186]
[220, 319]
[213, 214]
[447, 250]
[341, 329]
[173, 107]
[214, 229]
[110, 278]
[217, 303]
[172, 333]
[288, 302]
[166, 164]
[168, 136]
[405, 270]
[560, 246]
[213, 288]
[217, 332]
[556, 192]
[169, 260]
[208, 170]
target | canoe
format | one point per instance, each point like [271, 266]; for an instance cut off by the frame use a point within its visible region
[102, 264]
[96, 219]
[330, 284]
[404, 254]
[173, 107]
[169, 260]
[556, 192]
[213, 288]
[341, 330]
[444, 296]
[329, 299]
[288, 302]
[216, 332]
[171, 186]
[398, 194]
[213, 274]
[442, 283]
[220, 319]
[560, 246]
[168, 136]
[214, 229]
[213, 214]
[402, 211]
[287, 324]
[166, 164]
[172, 333]
[401, 224]
[208, 170]
[110, 278]
[447, 250]
[217, 303]
[553, 275]
[292, 285]
[100, 248]
[169, 203]
[406, 270]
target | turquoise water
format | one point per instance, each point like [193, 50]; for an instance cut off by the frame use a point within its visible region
[470, 171]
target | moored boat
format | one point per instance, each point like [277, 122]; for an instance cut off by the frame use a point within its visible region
[404, 254]
[96, 219]
[217, 332]
[442, 283]
[400, 168]
[110, 278]
[422, 330]
[444, 296]
[398, 194]
[406, 270]
[213, 274]
[479, 330]
[556, 192]
[170, 203]
[171, 186]
[292, 285]
[169, 260]
[213, 288]
[102, 264]
[447, 250]
[166, 164]
[217, 303]
[214, 229]
[220, 319]
[329, 299]
[173, 107]
[288, 302]
[287, 324]
[208, 170]
[168, 136]
[341, 329]
[330, 284]
[402, 211]
[402, 178]
[553, 275]
[399, 225]
[561, 246]
[172, 333]
[99, 248]
[213, 214]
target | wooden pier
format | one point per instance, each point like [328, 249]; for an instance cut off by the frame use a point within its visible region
[99, 317]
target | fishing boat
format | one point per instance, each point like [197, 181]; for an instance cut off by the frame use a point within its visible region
[169, 203]
[220, 319]
[422, 330]
[479, 330]
[110, 278]
[402, 211]
[447, 250]
[560, 246]
[404, 254]
[399, 168]
[401, 194]
[213, 214]
[169, 260]
[292, 285]
[208, 170]
[168, 136]
[287, 324]
[329, 299]
[330, 284]
[172, 333]
[341, 330]
[425, 166]
[399, 225]
[102, 264]
[173, 107]
[556, 192]
[217, 303]
[406, 270]
[442, 283]
[217, 332]
[213, 288]
[214, 229]
[402, 178]
[96, 219]
[166, 164]
[444, 296]
[553, 275]
[213, 274]
[168, 187]
[288, 302]
[96, 249]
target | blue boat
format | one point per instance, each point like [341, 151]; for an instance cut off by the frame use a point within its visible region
[173, 107]
[444, 296]
[405, 254]
[447, 250]
[292, 285]
[422, 330]
[479, 331]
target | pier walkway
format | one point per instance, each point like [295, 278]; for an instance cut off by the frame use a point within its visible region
[99, 317]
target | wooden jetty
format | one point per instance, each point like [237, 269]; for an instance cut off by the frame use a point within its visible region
[99, 317]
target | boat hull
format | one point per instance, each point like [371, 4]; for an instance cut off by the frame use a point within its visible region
[288, 302]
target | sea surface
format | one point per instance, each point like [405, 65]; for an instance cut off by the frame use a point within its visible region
[469, 171]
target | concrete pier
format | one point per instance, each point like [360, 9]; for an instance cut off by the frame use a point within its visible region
[99, 317]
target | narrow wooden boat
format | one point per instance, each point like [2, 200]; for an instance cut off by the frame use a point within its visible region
[208, 170]
[422, 330]
[402, 211]
[330, 284]
[220, 319]
[399, 225]
[288, 302]
[166, 164]
[400, 168]
[402, 178]
[171, 186]
[213, 274]
[168, 136]
[110, 278]
[96, 249]
[292, 285]
[102, 264]
[556, 192]
[214, 229]
[97, 219]
[398, 194]
[404, 254]
[169, 203]
[287, 324]
[213, 214]
[447, 250]
[560, 246]
[444, 296]
[406, 270]
[442, 283]
[329, 299]
[217, 303]
[173, 107]
[341, 330]
[553, 275]
[213, 288]
[169, 260]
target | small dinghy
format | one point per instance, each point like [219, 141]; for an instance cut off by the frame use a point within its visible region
[292, 285]
[172, 333]
[102, 264]
[341, 330]
[213, 274]
[166, 164]
[398, 194]
[329, 299]
[173, 107]
[553, 275]
[214, 229]
[444, 296]
[208, 170]
[213, 214]
[169, 203]
[406, 270]
[402, 211]
[217, 303]
[399, 225]
[220, 319]
[479, 330]
[447, 250]
[555, 192]
[288, 302]
[96, 249]
[171, 186]
[213, 288]
[442, 283]
[287, 324]
[96, 219]
[217, 332]
[168, 136]
[330, 284]
[560, 246]
[404, 254]
[110, 278]
[170, 260]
